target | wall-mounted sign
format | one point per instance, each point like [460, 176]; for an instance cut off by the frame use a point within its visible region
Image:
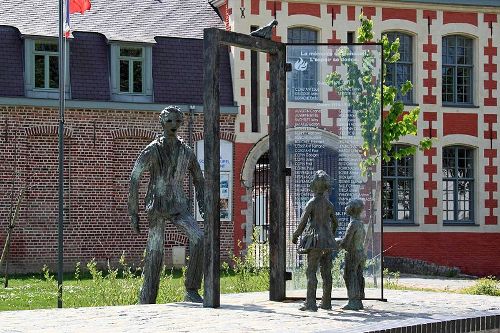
[226, 177]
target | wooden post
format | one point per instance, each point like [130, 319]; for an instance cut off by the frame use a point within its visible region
[277, 149]
[211, 266]
[212, 40]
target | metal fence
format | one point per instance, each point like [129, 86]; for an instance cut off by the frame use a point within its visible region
[327, 160]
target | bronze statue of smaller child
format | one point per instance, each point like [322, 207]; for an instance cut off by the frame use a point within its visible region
[353, 243]
[318, 225]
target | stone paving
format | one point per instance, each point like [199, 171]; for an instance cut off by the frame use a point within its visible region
[433, 282]
[253, 312]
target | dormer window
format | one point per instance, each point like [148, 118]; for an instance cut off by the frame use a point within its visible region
[131, 73]
[131, 69]
[46, 69]
[42, 69]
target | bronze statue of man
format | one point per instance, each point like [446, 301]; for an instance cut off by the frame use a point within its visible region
[168, 160]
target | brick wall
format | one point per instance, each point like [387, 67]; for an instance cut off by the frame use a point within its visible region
[100, 149]
[11, 62]
[473, 253]
[240, 205]
[475, 127]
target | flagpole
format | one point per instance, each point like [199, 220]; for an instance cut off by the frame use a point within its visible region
[62, 53]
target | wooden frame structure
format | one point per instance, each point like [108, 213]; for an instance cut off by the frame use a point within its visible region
[213, 39]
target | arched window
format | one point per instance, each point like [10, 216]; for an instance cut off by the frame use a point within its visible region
[303, 85]
[402, 70]
[398, 190]
[457, 70]
[458, 184]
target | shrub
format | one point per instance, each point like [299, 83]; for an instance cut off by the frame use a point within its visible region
[391, 279]
[485, 286]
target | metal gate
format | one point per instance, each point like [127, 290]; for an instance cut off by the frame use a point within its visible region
[327, 160]
[260, 199]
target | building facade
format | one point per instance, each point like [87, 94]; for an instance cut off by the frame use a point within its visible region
[128, 60]
[441, 205]
[119, 78]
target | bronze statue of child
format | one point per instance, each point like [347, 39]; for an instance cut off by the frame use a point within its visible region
[318, 225]
[353, 243]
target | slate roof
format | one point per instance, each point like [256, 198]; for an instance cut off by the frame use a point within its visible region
[120, 20]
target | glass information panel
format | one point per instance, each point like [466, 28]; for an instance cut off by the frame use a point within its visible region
[333, 124]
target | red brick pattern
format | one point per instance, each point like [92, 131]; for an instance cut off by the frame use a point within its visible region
[490, 85]
[229, 12]
[460, 17]
[48, 130]
[429, 15]
[490, 170]
[430, 168]
[351, 13]
[473, 253]
[490, 18]
[302, 8]
[275, 37]
[100, 149]
[334, 62]
[399, 14]
[334, 114]
[369, 12]
[334, 39]
[132, 133]
[430, 66]
[333, 10]
[273, 6]
[254, 7]
[240, 154]
[226, 13]
[460, 123]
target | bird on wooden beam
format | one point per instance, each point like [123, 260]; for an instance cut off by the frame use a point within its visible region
[266, 31]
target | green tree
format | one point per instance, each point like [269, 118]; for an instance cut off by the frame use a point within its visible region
[367, 96]
[362, 88]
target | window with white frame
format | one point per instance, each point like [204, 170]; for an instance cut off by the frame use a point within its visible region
[402, 70]
[398, 189]
[42, 68]
[458, 184]
[457, 61]
[131, 73]
[303, 85]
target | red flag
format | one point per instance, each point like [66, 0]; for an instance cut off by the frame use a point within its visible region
[79, 6]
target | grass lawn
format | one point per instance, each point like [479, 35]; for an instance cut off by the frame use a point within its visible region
[111, 287]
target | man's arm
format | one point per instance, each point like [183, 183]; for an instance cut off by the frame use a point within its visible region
[199, 184]
[141, 164]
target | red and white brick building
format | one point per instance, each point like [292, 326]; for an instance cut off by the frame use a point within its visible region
[451, 56]
[450, 206]
[111, 115]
